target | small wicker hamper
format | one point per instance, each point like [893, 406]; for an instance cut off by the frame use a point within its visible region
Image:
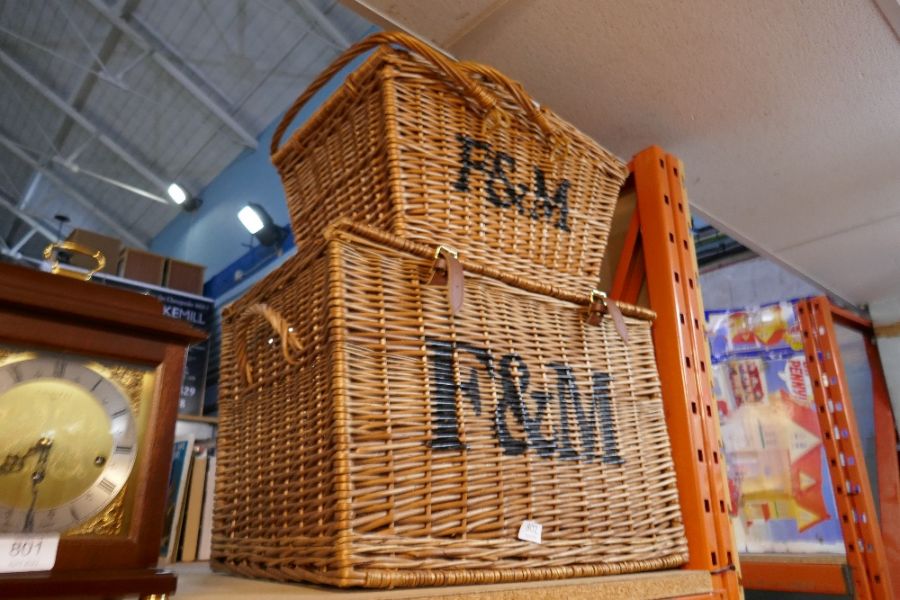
[432, 149]
[390, 419]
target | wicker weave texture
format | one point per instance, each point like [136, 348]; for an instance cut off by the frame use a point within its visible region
[430, 149]
[368, 437]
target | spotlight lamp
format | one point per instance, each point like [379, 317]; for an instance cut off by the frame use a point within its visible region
[258, 222]
[182, 199]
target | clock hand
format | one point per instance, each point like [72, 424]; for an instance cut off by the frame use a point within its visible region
[13, 463]
[40, 470]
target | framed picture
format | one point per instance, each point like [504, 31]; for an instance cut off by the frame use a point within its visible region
[182, 454]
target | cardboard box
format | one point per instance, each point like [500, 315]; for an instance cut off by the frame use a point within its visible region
[139, 265]
[184, 276]
[109, 246]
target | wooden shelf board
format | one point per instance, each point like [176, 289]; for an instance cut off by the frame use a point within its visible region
[197, 582]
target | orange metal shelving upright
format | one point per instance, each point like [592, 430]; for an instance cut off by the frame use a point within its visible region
[863, 541]
[658, 252]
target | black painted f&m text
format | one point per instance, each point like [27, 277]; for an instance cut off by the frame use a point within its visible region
[497, 168]
[445, 361]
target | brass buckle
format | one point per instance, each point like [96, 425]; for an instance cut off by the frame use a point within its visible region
[447, 249]
[439, 276]
[612, 309]
[594, 315]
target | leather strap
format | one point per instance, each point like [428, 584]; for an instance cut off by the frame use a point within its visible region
[455, 284]
[448, 270]
[618, 320]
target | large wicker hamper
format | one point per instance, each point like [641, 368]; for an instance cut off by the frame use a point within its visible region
[371, 437]
[432, 149]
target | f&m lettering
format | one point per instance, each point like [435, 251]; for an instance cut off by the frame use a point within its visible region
[498, 170]
[452, 381]
[445, 386]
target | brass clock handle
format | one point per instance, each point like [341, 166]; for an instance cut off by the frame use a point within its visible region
[57, 269]
[283, 329]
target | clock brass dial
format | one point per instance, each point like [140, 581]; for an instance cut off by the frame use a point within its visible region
[68, 442]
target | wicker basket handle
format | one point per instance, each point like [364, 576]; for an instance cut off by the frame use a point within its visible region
[447, 65]
[516, 90]
[289, 341]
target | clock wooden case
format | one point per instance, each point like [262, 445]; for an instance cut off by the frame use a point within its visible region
[107, 361]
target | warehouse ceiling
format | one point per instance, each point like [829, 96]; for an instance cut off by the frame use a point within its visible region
[105, 104]
[786, 114]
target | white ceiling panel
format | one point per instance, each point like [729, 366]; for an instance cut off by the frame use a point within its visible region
[155, 114]
[786, 114]
[876, 275]
[52, 39]
[140, 216]
[281, 86]
[211, 163]
[14, 176]
[26, 116]
[51, 200]
[444, 23]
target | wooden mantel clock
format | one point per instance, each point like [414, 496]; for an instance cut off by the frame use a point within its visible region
[89, 385]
